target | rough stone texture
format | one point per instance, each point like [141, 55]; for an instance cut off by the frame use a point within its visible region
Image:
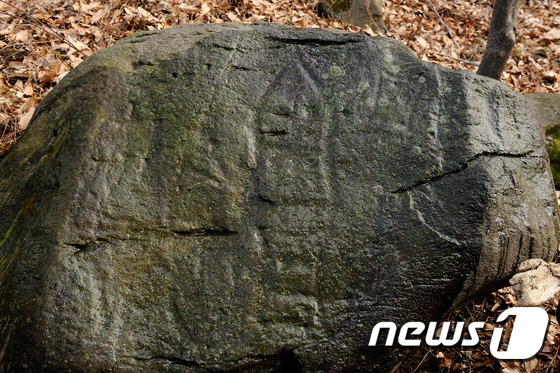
[546, 107]
[537, 282]
[258, 197]
[553, 148]
[360, 13]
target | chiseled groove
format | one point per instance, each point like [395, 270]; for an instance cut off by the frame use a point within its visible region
[274, 133]
[170, 360]
[261, 198]
[316, 41]
[84, 247]
[282, 355]
[204, 232]
[429, 180]
[287, 359]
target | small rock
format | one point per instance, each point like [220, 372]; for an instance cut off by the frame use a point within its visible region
[537, 283]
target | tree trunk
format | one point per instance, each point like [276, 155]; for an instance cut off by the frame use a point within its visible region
[501, 39]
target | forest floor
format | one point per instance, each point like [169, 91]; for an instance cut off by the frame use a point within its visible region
[42, 40]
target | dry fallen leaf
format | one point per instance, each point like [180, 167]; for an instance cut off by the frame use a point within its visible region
[28, 90]
[4, 87]
[532, 365]
[50, 74]
[24, 120]
[553, 34]
[510, 370]
[444, 360]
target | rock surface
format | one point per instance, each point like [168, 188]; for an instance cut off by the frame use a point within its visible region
[230, 197]
[553, 148]
[536, 283]
[546, 107]
[360, 13]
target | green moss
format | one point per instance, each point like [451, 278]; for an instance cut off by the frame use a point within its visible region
[7, 260]
[554, 153]
[7, 235]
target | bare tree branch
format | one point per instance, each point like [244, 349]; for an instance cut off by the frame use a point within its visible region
[444, 25]
[42, 25]
[457, 59]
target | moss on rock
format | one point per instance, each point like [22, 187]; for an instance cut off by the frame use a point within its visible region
[227, 197]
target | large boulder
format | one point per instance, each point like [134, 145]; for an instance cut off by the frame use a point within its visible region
[226, 197]
[546, 107]
[359, 13]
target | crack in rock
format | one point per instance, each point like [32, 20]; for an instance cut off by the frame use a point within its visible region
[316, 41]
[205, 232]
[170, 360]
[431, 179]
